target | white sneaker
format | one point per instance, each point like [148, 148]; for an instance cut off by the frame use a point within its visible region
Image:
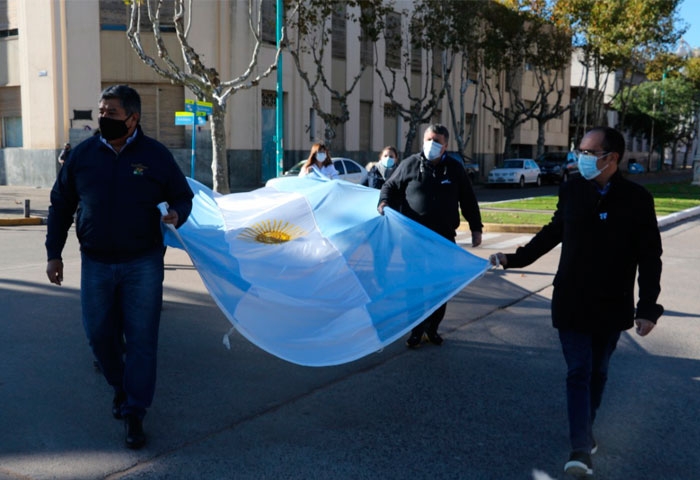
[579, 465]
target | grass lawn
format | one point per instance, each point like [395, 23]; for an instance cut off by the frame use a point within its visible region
[668, 198]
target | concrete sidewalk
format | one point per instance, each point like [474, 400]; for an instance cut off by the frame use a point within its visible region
[487, 405]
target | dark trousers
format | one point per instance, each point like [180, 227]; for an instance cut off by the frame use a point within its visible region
[123, 301]
[431, 323]
[587, 358]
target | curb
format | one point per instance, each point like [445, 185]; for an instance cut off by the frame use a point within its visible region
[663, 222]
[14, 222]
[511, 228]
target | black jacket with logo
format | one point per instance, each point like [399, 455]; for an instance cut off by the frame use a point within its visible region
[607, 239]
[433, 195]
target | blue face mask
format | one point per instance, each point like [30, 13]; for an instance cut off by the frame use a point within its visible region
[387, 161]
[588, 165]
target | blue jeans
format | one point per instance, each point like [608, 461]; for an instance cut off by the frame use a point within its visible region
[121, 305]
[587, 358]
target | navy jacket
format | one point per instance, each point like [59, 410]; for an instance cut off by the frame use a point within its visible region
[116, 198]
[433, 195]
[606, 240]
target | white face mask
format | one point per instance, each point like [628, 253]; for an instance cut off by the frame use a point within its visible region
[387, 161]
[431, 149]
[321, 157]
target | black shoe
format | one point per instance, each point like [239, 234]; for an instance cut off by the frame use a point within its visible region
[579, 465]
[414, 340]
[434, 338]
[117, 401]
[135, 436]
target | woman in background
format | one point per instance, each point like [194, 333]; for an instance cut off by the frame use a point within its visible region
[319, 159]
[378, 172]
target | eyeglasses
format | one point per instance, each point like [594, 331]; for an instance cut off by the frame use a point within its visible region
[600, 153]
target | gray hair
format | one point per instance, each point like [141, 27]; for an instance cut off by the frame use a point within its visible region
[127, 96]
[439, 129]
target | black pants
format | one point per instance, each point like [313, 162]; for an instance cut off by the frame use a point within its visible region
[431, 323]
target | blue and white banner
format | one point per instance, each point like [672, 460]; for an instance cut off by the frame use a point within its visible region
[306, 269]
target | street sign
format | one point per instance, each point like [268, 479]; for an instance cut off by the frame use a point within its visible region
[195, 113]
[192, 106]
[184, 118]
[187, 118]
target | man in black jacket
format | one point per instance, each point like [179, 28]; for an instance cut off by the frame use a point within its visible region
[609, 234]
[431, 188]
[115, 182]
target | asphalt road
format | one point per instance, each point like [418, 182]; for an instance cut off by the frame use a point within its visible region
[488, 404]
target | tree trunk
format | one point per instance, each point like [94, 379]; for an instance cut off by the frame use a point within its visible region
[540, 137]
[508, 134]
[410, 135]
[219, 162]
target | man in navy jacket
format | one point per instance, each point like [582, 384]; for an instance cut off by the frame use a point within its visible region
[113, 183]
[609, 235]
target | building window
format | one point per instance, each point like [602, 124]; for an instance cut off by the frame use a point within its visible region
[392, 40]
[416, 58]
[437, 63]
[269, 99]
[338, 30]
[8, 18]
[268, 22]
[366, 50]
[11, 132]
[365, 126]
[116, 15]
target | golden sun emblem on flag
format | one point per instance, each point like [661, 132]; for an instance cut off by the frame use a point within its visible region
[271, 231]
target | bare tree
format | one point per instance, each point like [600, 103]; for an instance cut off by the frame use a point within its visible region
[205, 82]
[516, 41]
[425, 59]
[313, 25]
[458, 32]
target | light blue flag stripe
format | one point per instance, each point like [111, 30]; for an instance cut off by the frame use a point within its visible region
[347, 283]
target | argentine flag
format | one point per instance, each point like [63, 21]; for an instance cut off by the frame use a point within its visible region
[306, 269]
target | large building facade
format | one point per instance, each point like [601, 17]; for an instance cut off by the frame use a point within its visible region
[57, 55]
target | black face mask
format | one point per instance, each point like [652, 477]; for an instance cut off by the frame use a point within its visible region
[111, 129]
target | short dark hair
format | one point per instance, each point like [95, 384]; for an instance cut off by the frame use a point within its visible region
[439, 129]
[127, 96]
[613, 141]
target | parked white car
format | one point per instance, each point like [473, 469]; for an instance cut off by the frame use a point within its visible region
[348, 170]
[516, 171]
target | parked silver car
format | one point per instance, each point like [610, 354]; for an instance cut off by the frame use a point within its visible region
[516, 171]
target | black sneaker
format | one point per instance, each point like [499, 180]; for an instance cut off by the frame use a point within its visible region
[433, 337]
[579, 465]
[414, 340]
[134, 437]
